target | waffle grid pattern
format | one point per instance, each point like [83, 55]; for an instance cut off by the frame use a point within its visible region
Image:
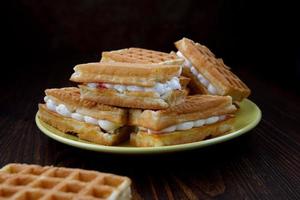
[30, 182]
[219, 65]
[138, 55]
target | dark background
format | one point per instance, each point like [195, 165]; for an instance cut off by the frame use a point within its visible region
[42, 40]
[251, 36]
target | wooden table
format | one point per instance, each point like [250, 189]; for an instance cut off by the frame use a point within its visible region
[262, 164]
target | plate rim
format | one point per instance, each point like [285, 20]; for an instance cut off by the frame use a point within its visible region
[150, 150]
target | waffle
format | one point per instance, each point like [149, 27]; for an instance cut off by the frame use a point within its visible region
[125, 73]
[213, 69]
[144, 139]
[142, 100]
[131, 85]
[85, 131]
[197, 118]
[30, 182]
[70, 96]
[193, 108]
[139, 55]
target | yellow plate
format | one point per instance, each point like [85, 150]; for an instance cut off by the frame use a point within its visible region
[247, 118]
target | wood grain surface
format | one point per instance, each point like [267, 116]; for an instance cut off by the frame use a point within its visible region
[262, 164]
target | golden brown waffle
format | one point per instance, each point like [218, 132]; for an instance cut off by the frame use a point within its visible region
[85, 131]
[144, 139]
[194, 107]
[30, 182]
[125, 73]
[70, 97]
[139, 55]
[130, 99]
[213, 69]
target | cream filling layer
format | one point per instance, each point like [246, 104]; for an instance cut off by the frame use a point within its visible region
[189, 125]
[160, 88]
[210, 88]
[64, 111]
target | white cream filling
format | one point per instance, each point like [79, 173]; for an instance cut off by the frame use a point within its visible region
[64, 111]
[160, 88]
[210, 88]
[189, 125]
[77, 116]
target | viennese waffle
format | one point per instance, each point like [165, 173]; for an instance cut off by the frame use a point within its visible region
[88, 120]
[199, 117]
[209, 75]
[30, 182]
[131, 85]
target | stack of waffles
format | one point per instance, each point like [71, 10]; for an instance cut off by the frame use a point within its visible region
[151, 98]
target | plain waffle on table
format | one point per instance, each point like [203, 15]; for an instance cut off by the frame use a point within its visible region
[30, 182]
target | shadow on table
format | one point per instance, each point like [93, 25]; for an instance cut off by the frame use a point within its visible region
[178, 162]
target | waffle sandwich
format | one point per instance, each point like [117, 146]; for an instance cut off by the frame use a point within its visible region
[139, 55]
[208, 74]
[199, 117]
[132, 85]
[88, 120]
[26, 182]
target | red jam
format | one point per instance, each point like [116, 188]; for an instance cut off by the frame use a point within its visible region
[101, 85]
